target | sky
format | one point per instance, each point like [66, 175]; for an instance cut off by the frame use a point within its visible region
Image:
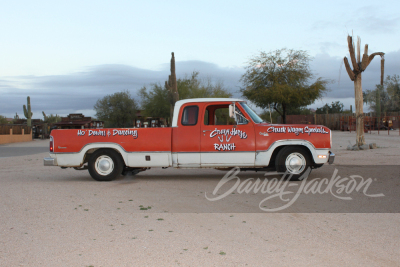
[67, 55]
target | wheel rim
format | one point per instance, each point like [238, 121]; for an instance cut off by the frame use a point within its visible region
[104, 165]
[295, 163]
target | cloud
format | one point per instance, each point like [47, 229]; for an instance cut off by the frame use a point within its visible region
[333, 68]
[326, 47]
[376, 25]
[370, 19]
[63, 94]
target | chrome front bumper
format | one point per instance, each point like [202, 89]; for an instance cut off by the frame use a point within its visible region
[331, 157]
[49, 162]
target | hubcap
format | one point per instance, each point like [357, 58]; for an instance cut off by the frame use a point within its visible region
[295, 163]
[104, 165]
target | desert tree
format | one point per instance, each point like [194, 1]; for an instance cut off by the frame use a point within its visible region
[282, 79]
[155, 99]
[116, 110]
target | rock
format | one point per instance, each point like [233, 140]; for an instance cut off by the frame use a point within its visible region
[373, 146]
[353, 147]
[364, 147]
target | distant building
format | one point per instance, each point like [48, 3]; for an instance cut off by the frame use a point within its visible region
[142, 121]
[78, 121]
[37, 126]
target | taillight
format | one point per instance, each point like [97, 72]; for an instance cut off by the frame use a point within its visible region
[51, 144]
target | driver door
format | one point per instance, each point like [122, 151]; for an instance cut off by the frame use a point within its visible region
[225, 143]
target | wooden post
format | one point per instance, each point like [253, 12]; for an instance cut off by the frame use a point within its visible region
[388, 125]
[370, 121]
[348, 123]
[379, 124]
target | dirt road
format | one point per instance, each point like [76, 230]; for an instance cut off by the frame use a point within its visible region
[54, 217]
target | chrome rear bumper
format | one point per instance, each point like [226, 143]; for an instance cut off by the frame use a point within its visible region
[331, 157]
[49, 162]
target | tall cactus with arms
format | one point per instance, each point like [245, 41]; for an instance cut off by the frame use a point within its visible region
[359, 65]
[27, 112]
[172, 86]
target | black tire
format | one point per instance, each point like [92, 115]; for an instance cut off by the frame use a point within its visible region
[316, 166]
[300, 159]
[131, 171]
[105, 165]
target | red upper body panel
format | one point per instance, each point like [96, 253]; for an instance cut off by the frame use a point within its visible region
[130, 139]
[196, 131]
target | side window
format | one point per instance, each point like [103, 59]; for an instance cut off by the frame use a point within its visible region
[218, 115]
[222, 117]
[190, 115]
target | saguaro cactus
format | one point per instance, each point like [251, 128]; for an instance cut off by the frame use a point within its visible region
[45, 123]
[355, 75]
[27, 112]
[172, 86]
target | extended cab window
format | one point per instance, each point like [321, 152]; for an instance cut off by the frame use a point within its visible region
[189, 115]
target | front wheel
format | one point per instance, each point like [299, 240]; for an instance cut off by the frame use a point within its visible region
[295, 162]
[105, 165]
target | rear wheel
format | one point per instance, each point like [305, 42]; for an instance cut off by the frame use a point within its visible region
[105, 165]
[294, 161]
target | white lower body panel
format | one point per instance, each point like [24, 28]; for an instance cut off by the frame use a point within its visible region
[154, 159]
[227, 159]
[188, 160]
[211, 159]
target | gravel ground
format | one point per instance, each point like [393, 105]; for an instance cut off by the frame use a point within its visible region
[55, 217]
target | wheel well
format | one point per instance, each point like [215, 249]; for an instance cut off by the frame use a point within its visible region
[89, 153]
[279, 148]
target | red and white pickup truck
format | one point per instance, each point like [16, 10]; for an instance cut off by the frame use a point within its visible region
[205, 133]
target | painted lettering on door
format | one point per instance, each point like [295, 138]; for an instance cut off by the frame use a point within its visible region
[226, 134]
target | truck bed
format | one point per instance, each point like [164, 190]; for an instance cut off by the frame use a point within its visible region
[129, 139]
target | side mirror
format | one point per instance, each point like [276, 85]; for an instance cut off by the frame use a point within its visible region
[232, 111]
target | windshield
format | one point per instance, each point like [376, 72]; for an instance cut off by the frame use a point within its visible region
[251, 113]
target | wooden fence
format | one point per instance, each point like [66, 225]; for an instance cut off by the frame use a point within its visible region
[347, 122]
[15, 134]
[16, 129]
[332, 121]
